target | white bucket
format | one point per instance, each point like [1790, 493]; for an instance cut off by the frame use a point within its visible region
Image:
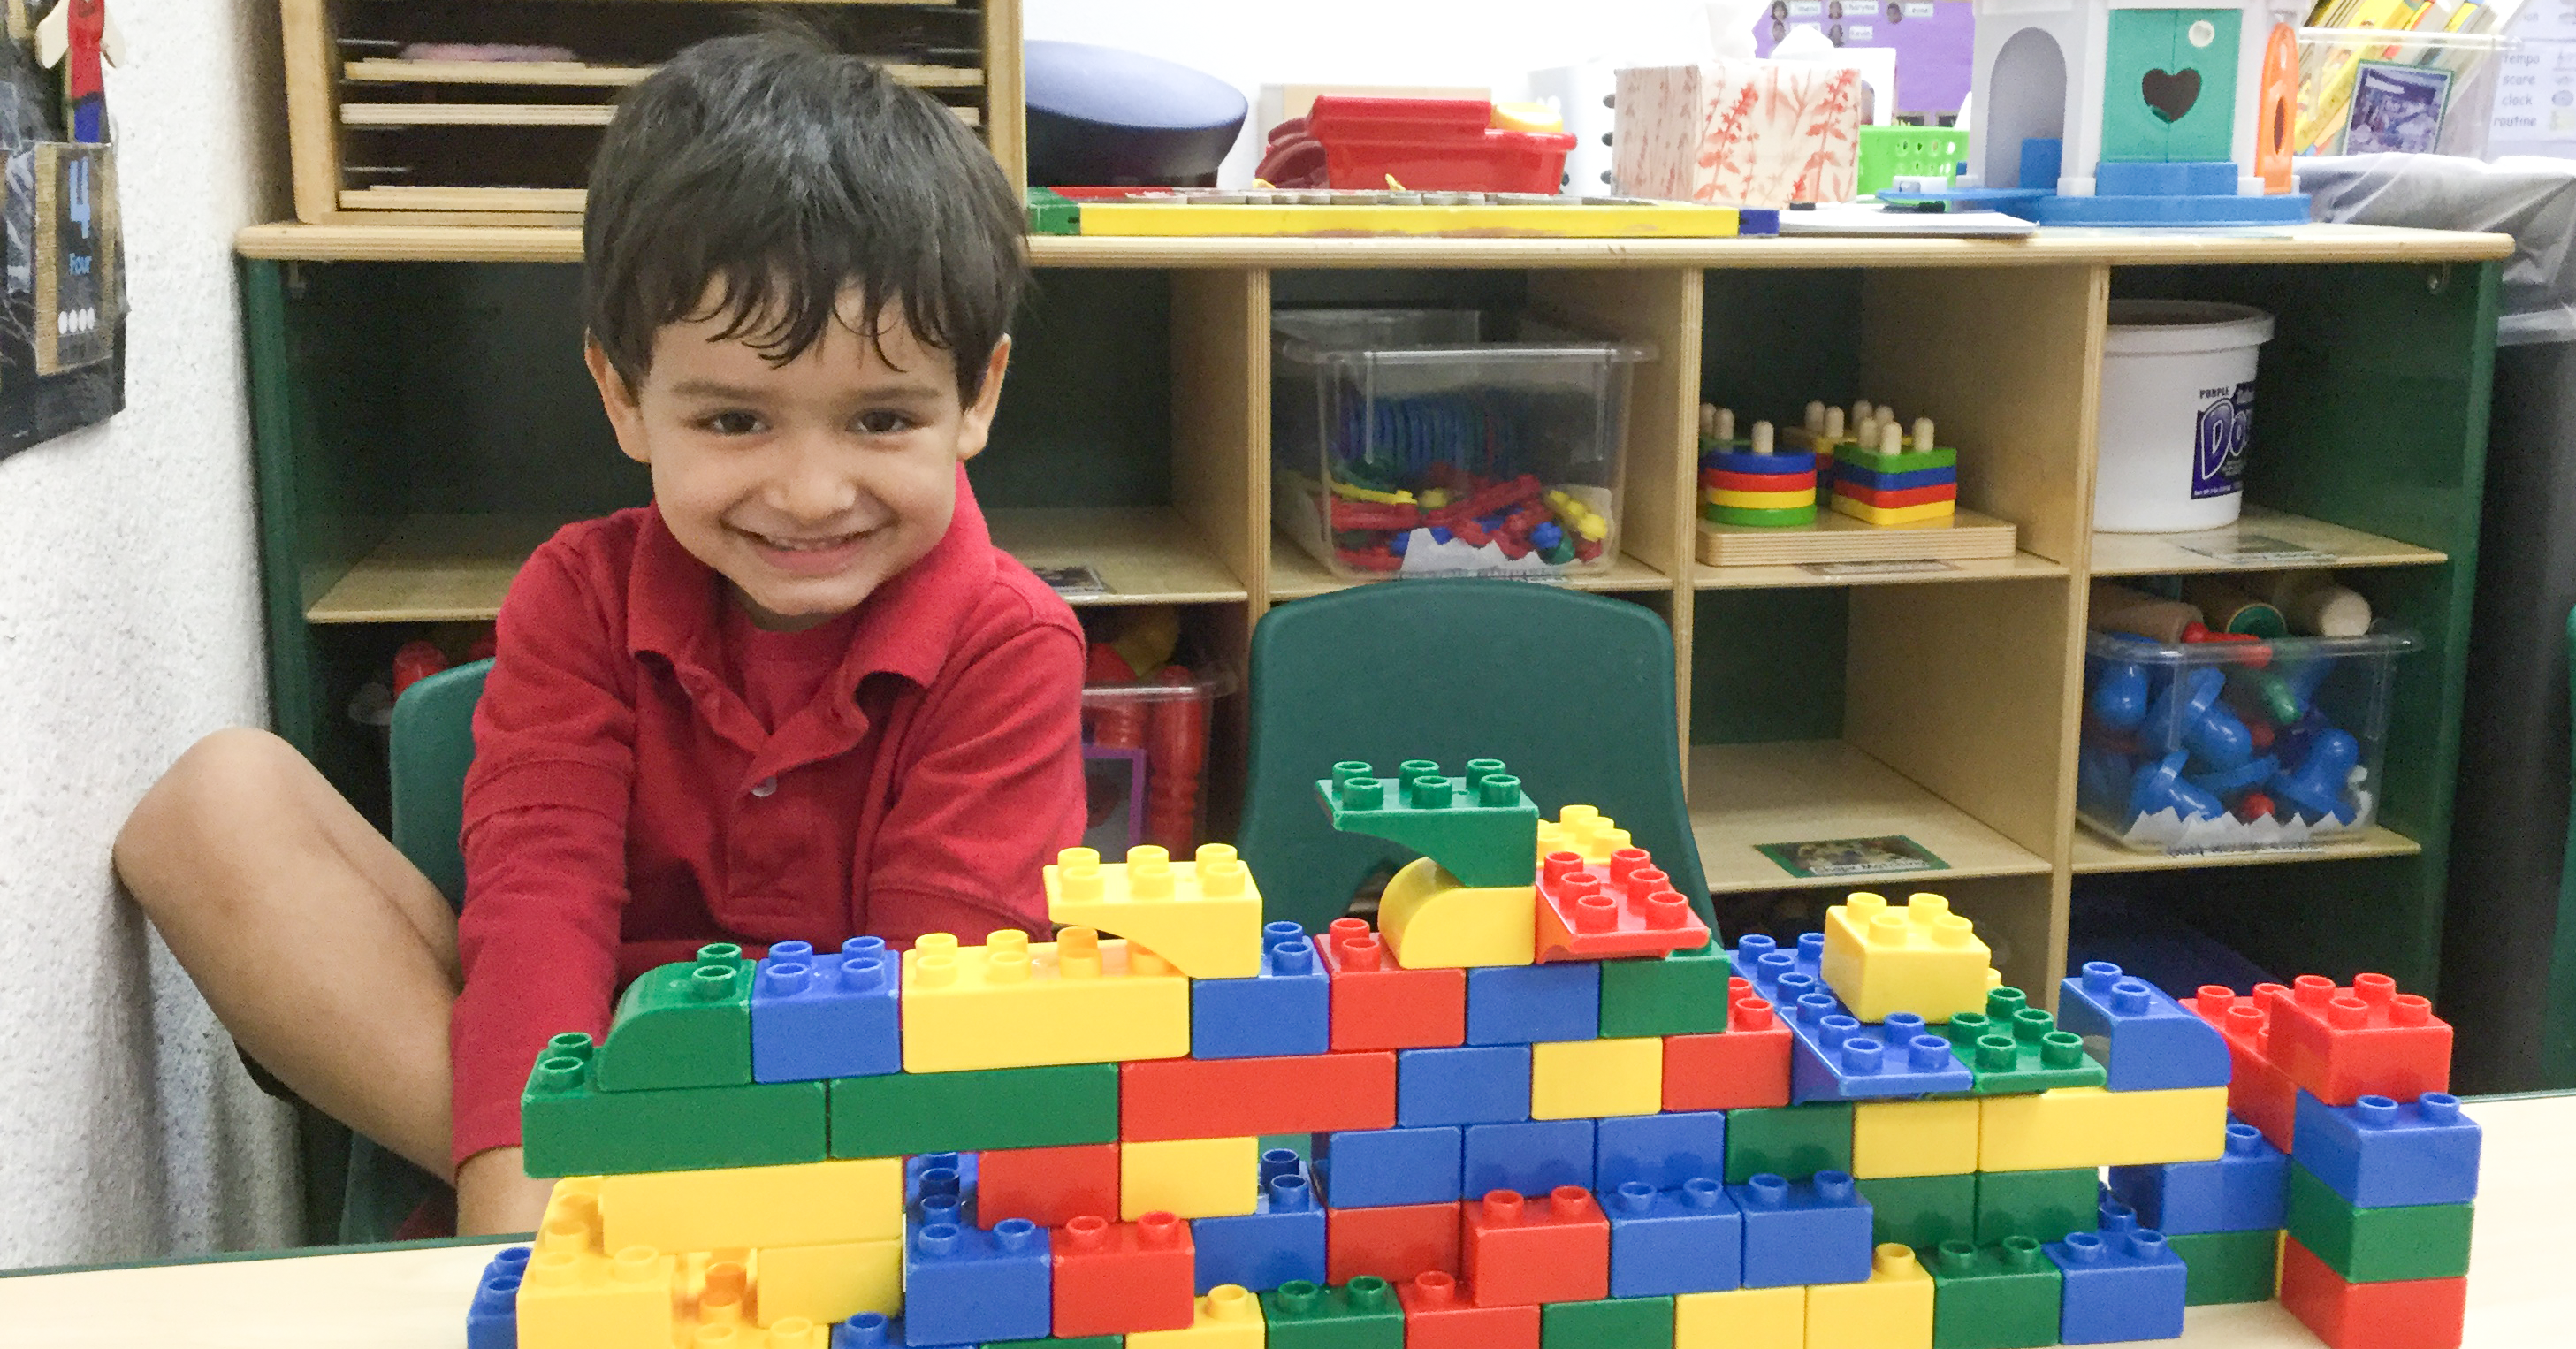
[2177, 396]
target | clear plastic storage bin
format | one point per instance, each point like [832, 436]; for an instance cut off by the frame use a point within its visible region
[2231, 745]
[1403, 444]
[1145, 759]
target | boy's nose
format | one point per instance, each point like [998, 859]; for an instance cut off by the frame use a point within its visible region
[811, 486]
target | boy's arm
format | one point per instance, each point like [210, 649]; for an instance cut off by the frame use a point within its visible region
[545, 844]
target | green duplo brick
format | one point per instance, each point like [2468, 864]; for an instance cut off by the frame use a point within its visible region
[1613, 1323]
[2042, 1205]
[2228, 1266]
[569, 1127]
[1921, 1211]
[899, 1114]
[1361, 1314]
[686, 1024]
[1795, 1141]
[2015, 1047]
[2377, 1245]
[1481, 827]
[1682, 994]
[1998, 1296]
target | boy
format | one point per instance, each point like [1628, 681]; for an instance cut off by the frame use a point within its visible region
[801, 695]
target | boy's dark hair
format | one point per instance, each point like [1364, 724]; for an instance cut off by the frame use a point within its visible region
[785, 173]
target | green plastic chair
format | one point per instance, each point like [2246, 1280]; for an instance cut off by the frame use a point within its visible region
[431, 747]
[1573, 692]
[2558, 1018]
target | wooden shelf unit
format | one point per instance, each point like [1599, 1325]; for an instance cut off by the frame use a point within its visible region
[396, 392]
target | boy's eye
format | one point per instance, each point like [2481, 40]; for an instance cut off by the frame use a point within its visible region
[881, 422]
[732, 423]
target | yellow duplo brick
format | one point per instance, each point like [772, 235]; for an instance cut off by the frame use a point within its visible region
[793, 1333]
[1581, 829]
[1747, 1318]
[1919, 957]
[1431, 921]
[1229, 1317]
[1582, 1079]
[1891, 1311]
[807, 1204]
[1189, 1178]
[2088, 1126]
[578, 1300]
[1203, 915]
[1013, 1003]
[827, 1283]
[1914, 1138]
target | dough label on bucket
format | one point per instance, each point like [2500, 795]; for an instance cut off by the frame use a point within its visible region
[2218, 443]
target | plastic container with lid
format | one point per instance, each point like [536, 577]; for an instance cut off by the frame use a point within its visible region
[1145, 759]
[1403, 444]
[2177, 398]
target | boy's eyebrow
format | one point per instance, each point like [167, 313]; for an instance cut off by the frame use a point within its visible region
[713, 388]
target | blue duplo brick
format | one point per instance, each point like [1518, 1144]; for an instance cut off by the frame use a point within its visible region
[2377, 1153]
[1531, 1158]
[816, 1016]
[1836, 1056]
[492, 1318]
[1281, 1240]
[1479, 1084]
[1685, 1240]
[966, 1285]
[2150, 1042]
[1376, 1168]
[1803, 1231]
[1285, 1009]
[2246, 1189]
[2118, 1286]
[1528, 1004]
[1664, 1151]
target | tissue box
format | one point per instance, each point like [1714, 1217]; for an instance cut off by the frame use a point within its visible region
[1745, 133]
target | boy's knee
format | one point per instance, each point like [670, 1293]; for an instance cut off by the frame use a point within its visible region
[211, 780]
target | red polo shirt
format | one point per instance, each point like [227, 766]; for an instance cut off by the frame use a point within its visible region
[627, 804]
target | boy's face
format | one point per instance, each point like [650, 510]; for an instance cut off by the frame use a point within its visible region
[805, 485]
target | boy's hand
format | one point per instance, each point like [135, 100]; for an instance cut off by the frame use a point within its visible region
[494, 1195]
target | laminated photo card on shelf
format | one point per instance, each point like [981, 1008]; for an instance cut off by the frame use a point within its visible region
[1739, 132]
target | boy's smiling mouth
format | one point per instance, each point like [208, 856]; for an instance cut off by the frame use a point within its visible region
[809, 555]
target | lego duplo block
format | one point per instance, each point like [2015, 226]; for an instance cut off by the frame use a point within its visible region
[1432, 920]
[568, 1126]
[2378, 1245]
[1225, 1098]
[492, 1318]
[2341, 1044]
[581, 1300]
[1748, 1318]
[950, 1173]
[1583, 831]
[1528, 1004]
[1281, 1240]
[1913, 1138]
[1481, 1084]
[1840, 1057]
[753, 1206]
[1014, 1003]
[1287, 1008]
[1379, 1005]
[1047, 1186]
[1055, 1342]
[1203, 915]
[2014, 1047]
[2089, 1126]
[1683, 992]
[1892, 1310]
[1191, 1177]
[2004, 1295]
[1582, 1079]
[1664, 1151]
[1881, 959]
[1532, 1158]
[2041, 1205]
[1794, 1141]
[1227, 1316]
[1625, 907]
[1921, 1210]
[1553, 1248]
[1480, 828]
[1362, 1314]
[686, 1024]
[1119, 1278]
[1745, 1067]
[1395, 1243]
[1803, 1231]
[1893, 515]
[2118, 1286]
[2400, 1314]
[2152, 1043]
[2258, 1092]
[2376, 1153]
[1376, 1168]
[1763, 963]
[1612, 1323]
[963, 1285]
[829, 1283]
[2245, 1189]
[904, 1113]
[824, 1015]
[1439, 1315]
[1684, 1240]
[2228, 1266]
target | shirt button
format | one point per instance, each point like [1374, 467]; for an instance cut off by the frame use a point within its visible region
[764, 787]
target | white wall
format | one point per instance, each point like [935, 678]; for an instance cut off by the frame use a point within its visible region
[129, 626]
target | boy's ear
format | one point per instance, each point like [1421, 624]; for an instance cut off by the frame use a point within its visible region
[618, 399]
[978, 426]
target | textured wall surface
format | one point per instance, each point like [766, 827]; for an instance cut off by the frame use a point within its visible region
[129, 626]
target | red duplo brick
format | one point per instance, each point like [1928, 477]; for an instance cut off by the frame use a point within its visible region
[1047, 1186]
[1395, 1242]
[2367, 1040]
[1439, 1315]
[2257, 1090]
[1162, 1099]
[1516, 1251]
[1627, 908]
[1746, 1065]
[1117, 1278]
[2401, 1314]
[1378, 1005]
